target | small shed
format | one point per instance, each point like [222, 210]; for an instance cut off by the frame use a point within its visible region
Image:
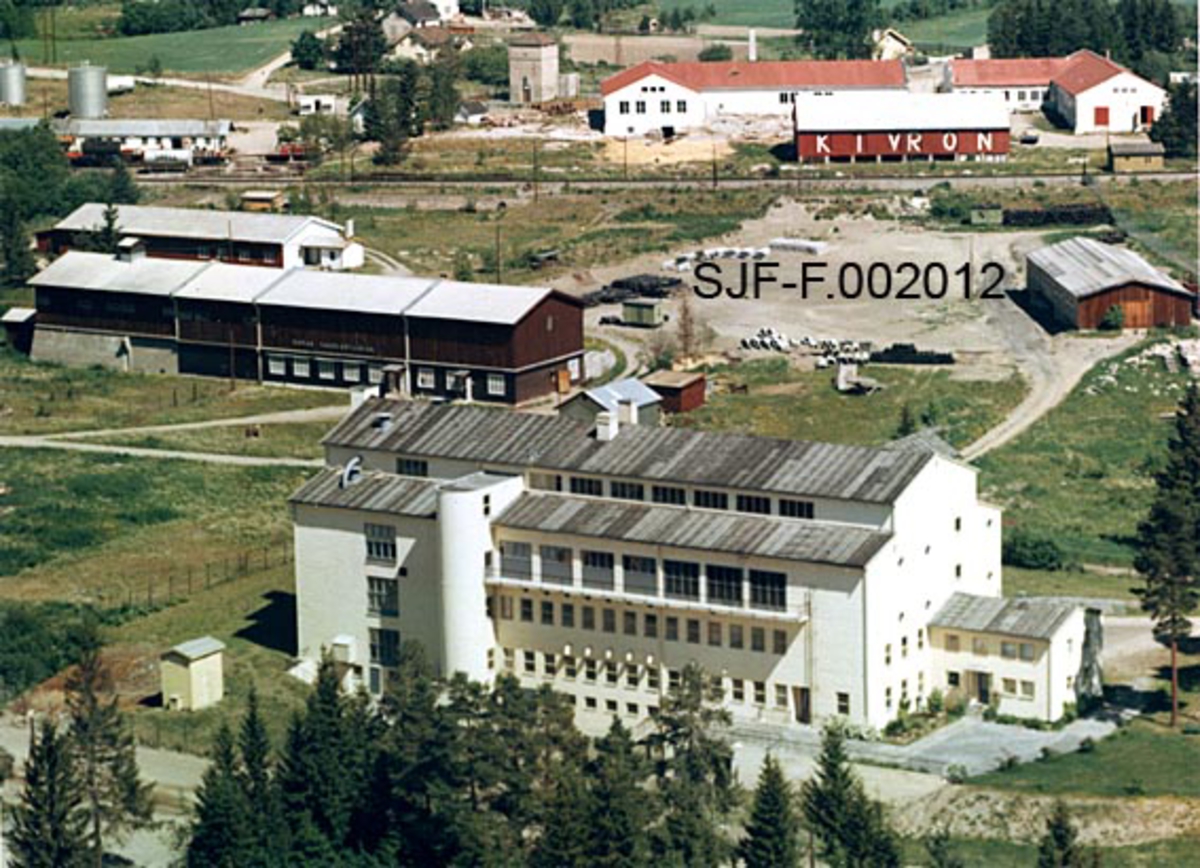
[628, 400]
[1143, 156]
[642, 312]
[193, 675]
[255, 15]
[681, 391]
[263, 200]
[18, 325]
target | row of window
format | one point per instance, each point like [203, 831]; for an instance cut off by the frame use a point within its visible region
[887, 649]
[980, 647]
[385, 647]
[887, 693]
[681, 580]
[693, 631]
[495, 384]
[664, 106]
[329, 370]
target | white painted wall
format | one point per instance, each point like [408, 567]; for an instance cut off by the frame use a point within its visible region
[1123, 95]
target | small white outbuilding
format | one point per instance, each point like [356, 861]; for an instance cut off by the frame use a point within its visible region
[193, 675]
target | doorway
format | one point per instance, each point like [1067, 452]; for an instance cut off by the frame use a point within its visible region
[802, 702]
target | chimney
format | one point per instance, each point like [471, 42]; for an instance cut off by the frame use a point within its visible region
[130, 249]
[349, 230]
[752, 51]
[606, 427]
[626, 412]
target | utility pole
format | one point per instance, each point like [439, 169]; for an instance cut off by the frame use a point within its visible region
[499, 267]
[625, 158]
[537, 144]
[714, 163]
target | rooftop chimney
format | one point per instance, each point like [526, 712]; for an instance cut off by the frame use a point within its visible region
[626, 412]
[606, 427]
[130, 249]
[752, 51]
[349, 230]
[382, 422]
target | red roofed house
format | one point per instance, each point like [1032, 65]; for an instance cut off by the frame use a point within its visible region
[678, 96]
[1090, 92]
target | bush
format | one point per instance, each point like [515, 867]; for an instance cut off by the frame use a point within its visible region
[956, 706]
[936, 702]
[1023, 549]
[1009, 763]
[715, 53]
[956, 773]
[1114, 319]
[1088, 745]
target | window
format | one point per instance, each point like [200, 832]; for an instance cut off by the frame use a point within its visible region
[630, 623]
[640, 107]
[509, 659]
[1010, 686]
[1021, 95]
[516, 560]
[958, 571]
[681, 106]
[547, 613]
[527, 610]
[385, 647]
[979, 647]
[351, 372]
[667, 494]
[1027, 689]
[589, 702]
[953, 679]
[682, 579]
[383, 596]
[549, 665]
[590, 487]
[623, 107]
[768, 590]
[783, 98]
[556, 564]
[628, 490]
[672, 629]
[568, 614]
[381, 543]
[609, 620]
[633, 676]
[724, 584]
[598, 570]
[887, 697]
[506, 608]
[1008, 650]
[758, 639]
[611, 675]
[650, 626]
[693, 631]
[300, 368]
[843, 703]
[545, 482]
[951, 642]
[796, 508]
[781, 696]
[755, 504]
[779, 641]
[735, 636]
[589, 670]
[530, 659]
[714, 633]
[673, 679]
[277, 366]
[903, 646]
[412, 467]
[641, 575]
[665, 106]
[589, 618]
[710, 499]
[958, 523]
[760, 693]
[425, 378]
[569, 667]
[1026, 650]
[887, 654]
[631, 708]
[921, 639]
[374, 374]
[739, 690]
[652, 678]
[496, 384]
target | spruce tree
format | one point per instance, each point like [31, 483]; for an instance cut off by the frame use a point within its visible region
[1059, 847]
[50, 824]
[937, 849]
[621, 808]
[1169, 539]
[114, 797]
[224, 829]
[828, 797]
[121, 186]
[256, 780]
[908, 422]
[772, 833]
[16, 256]
[567, 822]
[108, 233]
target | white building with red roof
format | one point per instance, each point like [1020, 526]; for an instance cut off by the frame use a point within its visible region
[670, 97]
[1089, 92]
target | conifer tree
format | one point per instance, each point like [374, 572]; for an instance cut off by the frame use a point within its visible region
[567, 822]
[114, 798]
[937, 849]
[1169, 540]
[772, 833]
[256, 779]
[224, 829]
[1059, 847]
[908, 422]
[621, 808]
[121, 186]
[16, 258]
[50, 824]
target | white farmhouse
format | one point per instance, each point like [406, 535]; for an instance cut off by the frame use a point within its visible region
[1093, 94]
[670, 97]
[600, 559]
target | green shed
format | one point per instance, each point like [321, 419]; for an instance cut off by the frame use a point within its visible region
[643, 312]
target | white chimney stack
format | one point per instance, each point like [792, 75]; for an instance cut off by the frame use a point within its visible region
[626, 412]
[752, 51]
[606, 427]
[350, 227]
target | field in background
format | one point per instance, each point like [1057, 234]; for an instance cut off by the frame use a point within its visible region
[961, 28]
[1068, 583]
[221, 50]
[299, 440]
[48, 96]
[748, 13]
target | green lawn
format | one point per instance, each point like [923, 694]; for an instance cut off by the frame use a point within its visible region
[963, 27]
[748, 13]
[301, 440]
[221, 50]
[1140, 759]
[1068, 583]
[1083, 473]
[785, 402]
[39, 398]
[1169, 853]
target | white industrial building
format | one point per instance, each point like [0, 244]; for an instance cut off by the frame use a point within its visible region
[670, 97]
[808, 578]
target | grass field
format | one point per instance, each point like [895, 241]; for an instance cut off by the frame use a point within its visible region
[1161, 217]
[1067, 583]
[50, 96]
[301, 440]
[40, 398]
[785, 402]
[963, 27]
[747, 13]
[1169, 853]
[1083, 473]
[221, 50]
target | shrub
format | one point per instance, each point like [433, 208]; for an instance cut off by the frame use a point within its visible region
[715, 53]
[1114, 319]
[956, 773]
[1009, 763]
[1023, 549]
[936, 702]
[956, 706]
[1088, 745]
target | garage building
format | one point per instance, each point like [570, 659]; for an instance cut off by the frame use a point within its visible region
[1081, 279]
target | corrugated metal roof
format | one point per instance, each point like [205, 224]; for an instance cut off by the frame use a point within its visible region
[1028, 617]
[478, 302]
[1084, 267]
[925, 440]
[195, 223]
[1015, 71]
[765, 75]
[609, 396]
[671, 379]
[761, 536]
[145, 275]
[335, 290]
[197, 649]
[1136, 149]
[670, 455]
[864, 112]
[372, 491]
[120, 128]
[236, 283]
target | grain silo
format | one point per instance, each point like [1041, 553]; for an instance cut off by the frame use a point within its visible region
[87, 91]
[12, 84]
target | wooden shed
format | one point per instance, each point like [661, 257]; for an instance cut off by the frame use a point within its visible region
[681, 391]
[1141, 156]
[643, 312]
[193, 675]
[1081, 280]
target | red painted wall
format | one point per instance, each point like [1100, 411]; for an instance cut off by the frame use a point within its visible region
[901, 143]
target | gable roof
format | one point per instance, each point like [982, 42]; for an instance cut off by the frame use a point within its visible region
[100, 272]
[609, 396]
[1085, 267]
[765, 75]
[1016, 71]
[480, 302]
[682, 456]
[1029, 618]
[153, 222]
[1086, 69]
[197, 649]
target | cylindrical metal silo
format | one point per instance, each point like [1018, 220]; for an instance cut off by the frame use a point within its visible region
[87, 91]
[12, 84]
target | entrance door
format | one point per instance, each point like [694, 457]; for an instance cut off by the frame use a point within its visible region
[1147, 114]
[802, 702]
[1138, 314]
[1100, 118]
[983, 687]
